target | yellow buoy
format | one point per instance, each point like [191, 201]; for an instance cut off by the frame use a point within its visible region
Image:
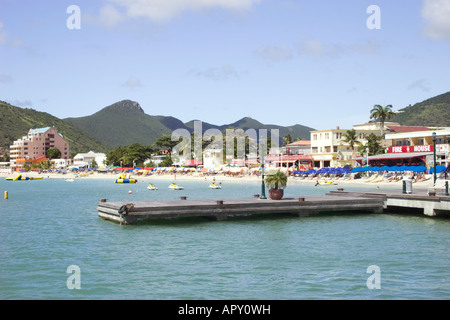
[6, 194]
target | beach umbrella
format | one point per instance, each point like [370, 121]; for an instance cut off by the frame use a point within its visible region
[439, 169]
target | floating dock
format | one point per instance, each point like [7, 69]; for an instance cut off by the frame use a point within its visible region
[222, 209]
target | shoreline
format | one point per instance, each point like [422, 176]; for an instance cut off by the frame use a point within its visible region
[218, 179]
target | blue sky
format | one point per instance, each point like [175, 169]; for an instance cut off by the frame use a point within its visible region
[284, 62]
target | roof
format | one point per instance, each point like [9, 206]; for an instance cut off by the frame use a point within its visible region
[289, 158]
[40, 130]
[405, 155]
[300, 143]
[418, 134]
[407, 128]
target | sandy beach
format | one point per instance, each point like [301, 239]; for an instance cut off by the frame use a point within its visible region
[219, 178]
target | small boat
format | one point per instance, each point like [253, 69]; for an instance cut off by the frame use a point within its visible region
[326, 183]
[69, 180]
[174, 186]
[214, 186]
[152, 187]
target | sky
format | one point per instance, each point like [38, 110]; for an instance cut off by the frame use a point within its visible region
[319, 63]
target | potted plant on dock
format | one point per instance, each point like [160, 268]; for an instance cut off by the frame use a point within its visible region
[276, 183]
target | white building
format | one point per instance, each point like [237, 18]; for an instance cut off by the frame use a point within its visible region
[62, 163]
[212, 158]
[84, 160]
[329, 150]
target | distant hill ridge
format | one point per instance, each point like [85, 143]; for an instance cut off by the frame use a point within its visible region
[125, 122]
[433, 112]
[15, 123]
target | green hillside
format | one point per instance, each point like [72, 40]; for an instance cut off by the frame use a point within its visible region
[433, 112]
[124, 123]
[249, 123]
[15, 123]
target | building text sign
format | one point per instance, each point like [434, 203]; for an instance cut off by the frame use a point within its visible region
[407, 149]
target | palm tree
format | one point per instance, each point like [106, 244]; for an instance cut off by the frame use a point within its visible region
[382, 114]
[278, 180]
[276, 183]
[287, 139]
[351, 137]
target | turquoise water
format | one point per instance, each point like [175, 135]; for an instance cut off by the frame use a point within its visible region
[47, 226]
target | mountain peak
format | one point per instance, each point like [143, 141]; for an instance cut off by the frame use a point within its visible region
[125, 106]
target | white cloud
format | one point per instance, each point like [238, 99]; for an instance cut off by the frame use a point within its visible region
[436, 13]
[110, 16]
[164, 10]
[132, 82]
[5, 78]
[275, 53]
[421, 84]
[21, 103]
[2, 34]
[221, 73]
[315, 48]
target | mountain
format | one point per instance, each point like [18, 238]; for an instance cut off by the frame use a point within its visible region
[433, 112]
[15, 123]
[124, 123]
[246, 123]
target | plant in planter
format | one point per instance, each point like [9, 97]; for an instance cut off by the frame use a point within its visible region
[276, 183]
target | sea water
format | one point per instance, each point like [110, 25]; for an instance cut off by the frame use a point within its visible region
[49, 228]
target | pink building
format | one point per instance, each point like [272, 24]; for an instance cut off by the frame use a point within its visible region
[36, 144]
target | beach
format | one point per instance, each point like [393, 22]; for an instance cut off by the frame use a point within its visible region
[220, 178]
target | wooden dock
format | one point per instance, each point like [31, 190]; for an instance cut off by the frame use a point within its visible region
[436, 205]
[222, 209]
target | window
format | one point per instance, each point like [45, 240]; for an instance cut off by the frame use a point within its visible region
[314, 150]
[327, 136]
[328, 149]
[335, 149]
[315, 136]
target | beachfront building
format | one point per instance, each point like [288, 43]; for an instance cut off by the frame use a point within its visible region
[329, 150]
[61, 163]
[293, 155]
[297, 147]
[415, 148]
[85, 160]
[212, 158]
[35, 144]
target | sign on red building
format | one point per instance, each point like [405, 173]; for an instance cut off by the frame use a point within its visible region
[407, 149]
